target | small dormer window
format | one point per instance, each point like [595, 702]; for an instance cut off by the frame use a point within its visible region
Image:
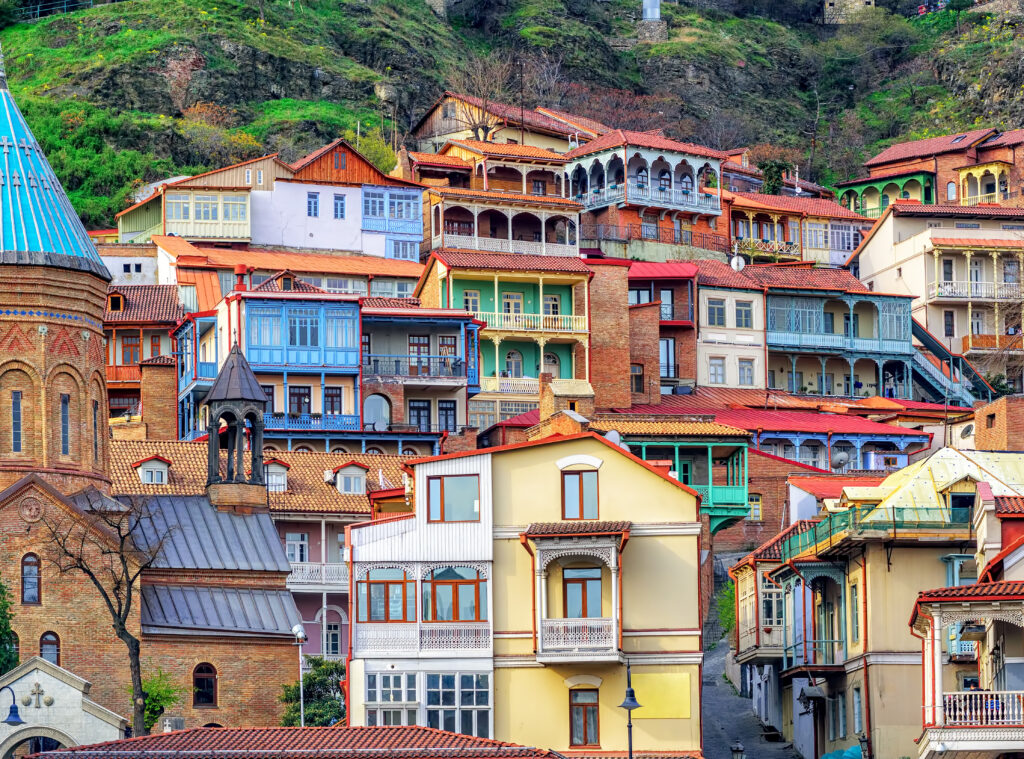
[153, 470]
[350, 480]
[287, 283]
[115, 303]
[277, 476]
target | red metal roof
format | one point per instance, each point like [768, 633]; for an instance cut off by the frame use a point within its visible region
[512, 113]
[243, 742]
[145, 303]
[576, 527]
[947, 143]
[659, 270]
[832, 486]
[974, 242]
[593, 126]
[627, 138]
[917, 209]
[472, 259]
[526, 419]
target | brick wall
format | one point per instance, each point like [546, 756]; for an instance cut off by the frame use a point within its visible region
[609, 326]
[999, 425]
[394, 391]
[159, 389]
[643, 349]
[464, 441]
[686, 350]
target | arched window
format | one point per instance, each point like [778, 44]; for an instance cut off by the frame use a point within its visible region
[455, 594]
[387, 595]
[641, 176]
[409, 452]
[30, 579]
[664, 180]
[376, 411]
[513, 364]
[552, 365]
[204, 686]
[951, 191]
[338, 449]
[49, 647]
[302, 449]
[374, 449]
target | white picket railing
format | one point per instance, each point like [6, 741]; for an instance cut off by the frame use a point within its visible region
[410, 638]
[519, 385]
[979, 708]
[578, 636]
[534, 322]
[504, 245]
[310, 573]
[449, 636]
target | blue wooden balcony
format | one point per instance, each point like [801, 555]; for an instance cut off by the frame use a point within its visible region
[394, 226]
[303, 357]
[310, 422]
[415, 367]
[828, 341]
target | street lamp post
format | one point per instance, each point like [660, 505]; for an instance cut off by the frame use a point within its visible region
[13, 718]
[738, 751]
[300, 637]
[865, 745]
[629, 704]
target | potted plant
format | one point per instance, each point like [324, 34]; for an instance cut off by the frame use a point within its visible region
[316, 415]
[278, 414]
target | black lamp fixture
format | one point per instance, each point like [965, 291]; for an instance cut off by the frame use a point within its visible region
[737, 751]
[629, 703]
[865, 745]
[13, 718]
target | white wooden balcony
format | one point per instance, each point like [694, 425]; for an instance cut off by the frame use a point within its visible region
[963, 290]
[980, 708]
[976, 725]
[307, 574]
[577, 639]
[504, 245]
[531, 386]
[427, 639]
[533, 322]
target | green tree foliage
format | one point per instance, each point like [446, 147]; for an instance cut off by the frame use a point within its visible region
[8, 641]
[321, 686]
[956, 7]
[725, 602]
[1000, 386]
[375, 147]
[773, 161]
[161, 694]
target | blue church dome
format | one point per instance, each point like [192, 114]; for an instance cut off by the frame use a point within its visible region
[38, 225]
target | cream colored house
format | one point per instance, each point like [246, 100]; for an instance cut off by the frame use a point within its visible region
[731, 333]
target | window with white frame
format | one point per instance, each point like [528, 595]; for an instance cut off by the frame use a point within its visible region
[296, 546]
[746, 366]
[716, 370]
[177, 206]
[384, 288]
[816, 235]
[403, 206]
[248, 176]
[351, 480]
[459, 702]
[771, 603]
[391, 698]
[404, 289]
[277, 478]
[259, 176]
[154, 472]
[236, 207]
[207, 207]
[405, 250]
[345, 285]
[844, 237]
[471, 300]
[858, 716]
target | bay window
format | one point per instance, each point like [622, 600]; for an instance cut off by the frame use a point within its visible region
[386, 595]
[455, 594]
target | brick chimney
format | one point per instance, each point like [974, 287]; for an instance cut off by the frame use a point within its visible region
[159, 391]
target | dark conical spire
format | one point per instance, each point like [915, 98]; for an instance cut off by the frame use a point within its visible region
[236, 382]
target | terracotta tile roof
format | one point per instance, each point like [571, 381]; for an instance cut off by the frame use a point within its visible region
[591, 125]
[662, 270]
[509, 150]
[884, 174]
[273, 285]
[947, 143]
[666, 427]
[381, 302]
[804, 205]
[303, 742]
[307, 491]
[832, 486]
[772, 550]
[627, 138]
[714, 273]
[511, 114]
[436, 159]
[804, 277]
[471, 259]
[159, 361]
[308, 263]
[543, 200]
[918, 209]
[576, 527]
[1005, 139]
[974, 242]
[1009, 504]
[979, 591]
[145, 303]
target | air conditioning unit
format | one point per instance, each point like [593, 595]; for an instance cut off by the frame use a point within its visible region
[173, 723]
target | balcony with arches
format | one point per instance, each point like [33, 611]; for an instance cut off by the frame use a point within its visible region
[550, 231]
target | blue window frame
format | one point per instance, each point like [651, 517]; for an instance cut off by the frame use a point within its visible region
[339, 206]
[16, 421]
[304, 327]
[95, 431]
[406, 250]
[341, 329]
[373, 203]
[313, 204]
[65, 424]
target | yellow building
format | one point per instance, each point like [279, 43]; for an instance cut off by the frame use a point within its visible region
[510, 602]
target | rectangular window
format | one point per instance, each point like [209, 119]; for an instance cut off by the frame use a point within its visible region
[471, 300]
[858, 719]
[176, 207]
[129, 350]
[552, 305]
[65, 424]
[269, 390]
[340, 160]
[207, 207]
[948, 322]
[540, 187]
[348, 286]
[248, 176]
[339, 206]
[512, 303]
[16, 421]
[453, 498]
[581, 592]
[265, 326]
[446, 416]
[968, 225]
[482, 414]
[832, 717]
[403, 206]
[754, 501]
[373, 204]
[341, 328]
[388, 595]
[854, 614]
[304, 327]
[746, 371]
[841, 709]
[95, 431]
[299, 399]
[744, 314]
[716, 312]
[419, 417]
[383, 288]
[154, 346]
[236, 207]
[405, 250]
[636, 378]
[583, 724]
[579, 495]
[465, 709]
[259, 176]
[296, 546]
[313, 204]
[716, 370]
[334, 400]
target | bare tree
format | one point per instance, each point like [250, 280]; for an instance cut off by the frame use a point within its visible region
[105, 543]
[544, 82]
[487, 80]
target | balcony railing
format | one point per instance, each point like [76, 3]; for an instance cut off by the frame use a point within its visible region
[991, 342]
[396, 226]
[688, 200]
[981, 708]
[207, 370]
[429, 637]
[721, 495]
[533, 322]
[668, 371]
[310, 573]
[577, 637]
[810, 653]
[124, 373]
[831, 530]
[837, 341]
[310, 422]
[440, 367]
[988, 197]
[504, 245]
[306, 666]
[531, 385]
[767, 248]
[975, 290]
[673, 313]
[654, 233]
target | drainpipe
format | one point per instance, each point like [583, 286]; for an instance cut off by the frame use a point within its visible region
[764, 326]
[533, 592]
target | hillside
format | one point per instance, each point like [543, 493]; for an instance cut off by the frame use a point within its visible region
[127, 93]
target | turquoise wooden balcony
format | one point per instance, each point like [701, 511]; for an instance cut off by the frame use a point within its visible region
[310, 422]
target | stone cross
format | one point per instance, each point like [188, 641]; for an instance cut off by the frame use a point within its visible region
[37, 692]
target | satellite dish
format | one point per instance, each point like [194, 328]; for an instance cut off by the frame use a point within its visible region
[380, 426]
[737, 263]
[840, 459]
[967, 431]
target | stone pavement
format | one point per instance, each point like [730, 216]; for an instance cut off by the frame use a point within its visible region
[728, 717]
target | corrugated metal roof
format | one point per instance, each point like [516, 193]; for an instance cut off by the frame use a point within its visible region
[662, 270]
[197, 535]
[199, 610]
